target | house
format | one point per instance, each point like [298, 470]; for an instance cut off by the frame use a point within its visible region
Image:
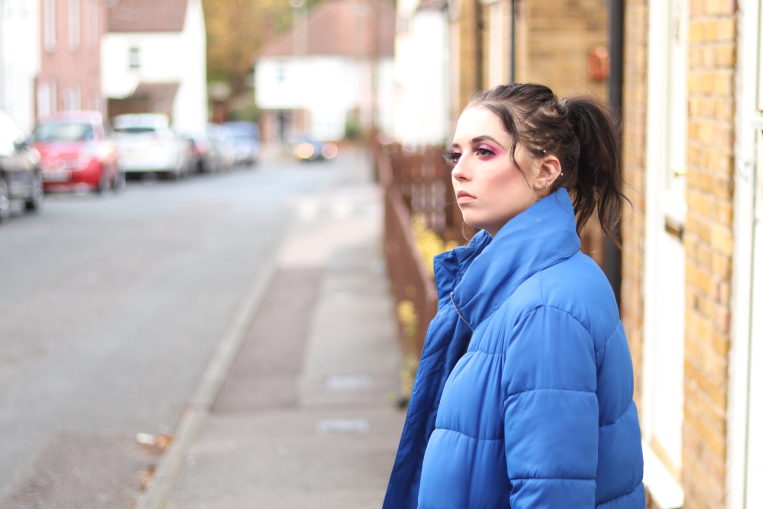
[332, 72]
[19, 59]
[685, 78]
[692, 251]
[154, 60]
[70, 47]
[422, 73]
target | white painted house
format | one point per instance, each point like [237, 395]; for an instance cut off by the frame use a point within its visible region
[333, 69]
[154, 60]
[19, 59]
[422, 73]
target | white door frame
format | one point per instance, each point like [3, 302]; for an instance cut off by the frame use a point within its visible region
[745, 325]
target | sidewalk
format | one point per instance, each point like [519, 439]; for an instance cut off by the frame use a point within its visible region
[306, 417]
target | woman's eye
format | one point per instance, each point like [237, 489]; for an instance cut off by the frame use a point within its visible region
[452, 156]
[483, 152]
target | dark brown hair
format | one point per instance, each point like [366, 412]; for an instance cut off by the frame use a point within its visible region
[579, 131]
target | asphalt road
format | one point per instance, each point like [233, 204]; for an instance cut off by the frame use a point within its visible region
[110, 308]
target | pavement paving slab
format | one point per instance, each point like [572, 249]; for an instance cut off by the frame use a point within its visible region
[307, 417]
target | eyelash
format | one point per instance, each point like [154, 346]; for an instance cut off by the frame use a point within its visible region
[484, 151]
[453, 156]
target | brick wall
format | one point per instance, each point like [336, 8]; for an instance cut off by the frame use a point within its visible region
[559, 35]
[709, 246]
[469, 45]
[634, 156]
[74, 68]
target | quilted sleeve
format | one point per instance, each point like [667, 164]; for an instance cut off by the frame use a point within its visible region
[550, 412]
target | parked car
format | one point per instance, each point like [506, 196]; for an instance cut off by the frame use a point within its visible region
[145, 143]
[203, 156]
[223, 145]
[309, 149]
[20, 174]
[246, 141]
[77, 151]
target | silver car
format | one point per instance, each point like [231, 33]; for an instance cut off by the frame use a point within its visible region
[145, 143]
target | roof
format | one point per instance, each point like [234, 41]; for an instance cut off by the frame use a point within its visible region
[161, 95]
[339, 27]
[146, 15]
[425, 5]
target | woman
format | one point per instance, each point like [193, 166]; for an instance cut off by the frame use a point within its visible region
[524, 392]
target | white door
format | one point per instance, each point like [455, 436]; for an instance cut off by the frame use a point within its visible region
[663, 374]
[754, 496]
[745, 472]
[745, 489]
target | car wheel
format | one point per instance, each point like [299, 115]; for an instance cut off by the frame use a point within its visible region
[5, 201]
[33, 203]
[103, 182]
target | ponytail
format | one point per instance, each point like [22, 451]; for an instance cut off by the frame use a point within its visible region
[599, 170]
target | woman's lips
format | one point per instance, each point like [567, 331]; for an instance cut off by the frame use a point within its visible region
[464, 197]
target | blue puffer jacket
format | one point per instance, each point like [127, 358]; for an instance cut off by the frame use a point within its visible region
[538, 412]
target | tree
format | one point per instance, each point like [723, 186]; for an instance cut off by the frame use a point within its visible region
[236, 30]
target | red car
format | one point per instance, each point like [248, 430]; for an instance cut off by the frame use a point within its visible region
[77, 152]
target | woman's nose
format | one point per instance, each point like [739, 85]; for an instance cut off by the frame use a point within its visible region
[459, 171]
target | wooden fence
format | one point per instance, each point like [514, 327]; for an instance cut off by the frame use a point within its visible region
[416, 183]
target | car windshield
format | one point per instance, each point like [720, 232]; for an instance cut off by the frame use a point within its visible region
[135, 129]
[63, 131]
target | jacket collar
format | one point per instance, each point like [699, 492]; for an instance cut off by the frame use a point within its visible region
[480, 276]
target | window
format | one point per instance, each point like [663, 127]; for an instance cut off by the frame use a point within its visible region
[49, 27]
[71, 98]
[281, 72]
[46, 98]
[133, 58]
[74, 24]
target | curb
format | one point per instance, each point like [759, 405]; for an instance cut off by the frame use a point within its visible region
[171, 464]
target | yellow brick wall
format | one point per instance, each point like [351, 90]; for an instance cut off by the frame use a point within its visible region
[469, 48]
[558, 37]
[709, 246]
[634, 156]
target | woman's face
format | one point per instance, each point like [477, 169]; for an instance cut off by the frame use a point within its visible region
[490, 187]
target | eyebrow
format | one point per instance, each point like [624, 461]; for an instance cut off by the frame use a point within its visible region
[480, 139]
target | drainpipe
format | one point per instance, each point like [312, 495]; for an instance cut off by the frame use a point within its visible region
[513, 55]
[612, 255]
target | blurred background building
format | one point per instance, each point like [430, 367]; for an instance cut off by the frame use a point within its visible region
[19, 59]
[330, 75]
[154, 60]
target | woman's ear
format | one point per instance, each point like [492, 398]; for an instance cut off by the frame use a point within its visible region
[549, 169]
